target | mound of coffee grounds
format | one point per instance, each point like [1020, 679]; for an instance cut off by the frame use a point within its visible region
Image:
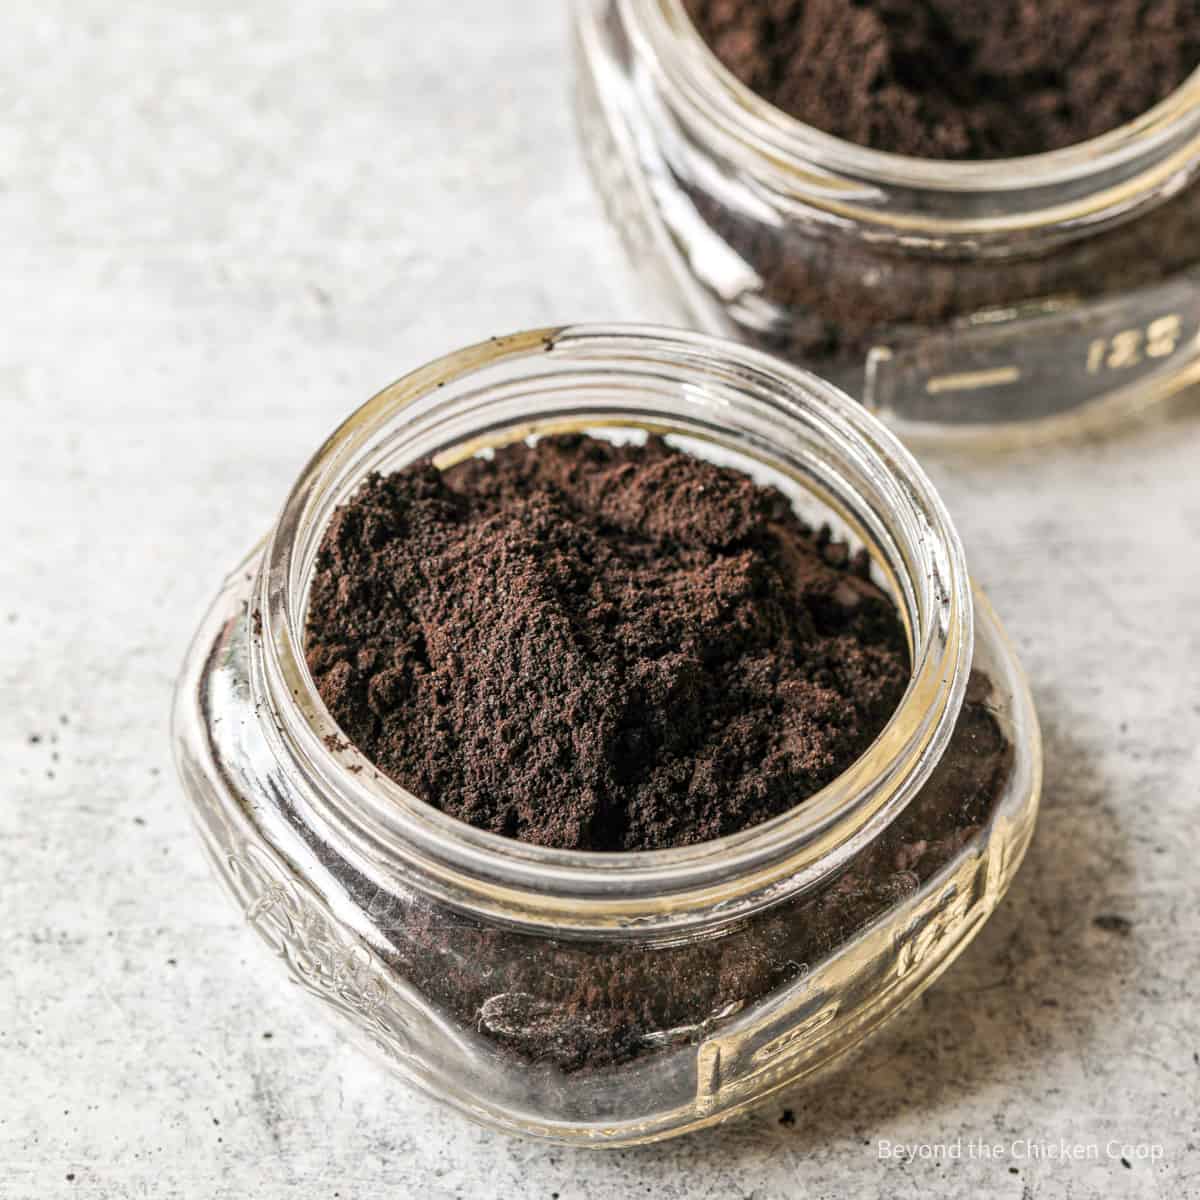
[605, 646]
[599, 647]
[957, 79]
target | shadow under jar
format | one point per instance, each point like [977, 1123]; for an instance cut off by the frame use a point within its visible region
[1014, 297]
[615, 998]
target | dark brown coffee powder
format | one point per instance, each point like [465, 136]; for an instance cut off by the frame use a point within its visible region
[599, 647]
[957, 79]
[573, 576]
[573, 1004]
[945, 79]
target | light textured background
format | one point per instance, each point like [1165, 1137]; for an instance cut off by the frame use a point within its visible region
[223, 225]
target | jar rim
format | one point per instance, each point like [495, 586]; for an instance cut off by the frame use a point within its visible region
[1087, 181]
[483, 871]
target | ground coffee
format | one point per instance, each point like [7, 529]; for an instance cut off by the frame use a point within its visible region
[957, 79]
[599, 647]
[496, 588]
[569, 1005]
[943, 79]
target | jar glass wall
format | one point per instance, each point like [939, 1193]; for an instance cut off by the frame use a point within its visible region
[953, 298]
[498, 975]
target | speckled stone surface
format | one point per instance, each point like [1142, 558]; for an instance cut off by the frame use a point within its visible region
[222, 226]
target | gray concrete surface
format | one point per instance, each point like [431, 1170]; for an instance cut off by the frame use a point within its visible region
[223, 225]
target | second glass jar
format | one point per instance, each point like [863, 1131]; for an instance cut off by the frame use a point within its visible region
[952, 298]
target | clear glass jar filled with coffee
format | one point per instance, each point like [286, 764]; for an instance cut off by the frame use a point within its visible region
[1002, 296]
[510, 960]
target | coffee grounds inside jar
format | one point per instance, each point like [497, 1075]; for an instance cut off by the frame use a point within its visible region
[957, 79]
[569, 1005]
[599, 647]
[566, 1005]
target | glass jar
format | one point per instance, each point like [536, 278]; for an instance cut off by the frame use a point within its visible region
[498, 975]
[1017, 297]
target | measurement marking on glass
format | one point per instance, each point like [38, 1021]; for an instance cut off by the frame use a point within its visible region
[969, 381]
